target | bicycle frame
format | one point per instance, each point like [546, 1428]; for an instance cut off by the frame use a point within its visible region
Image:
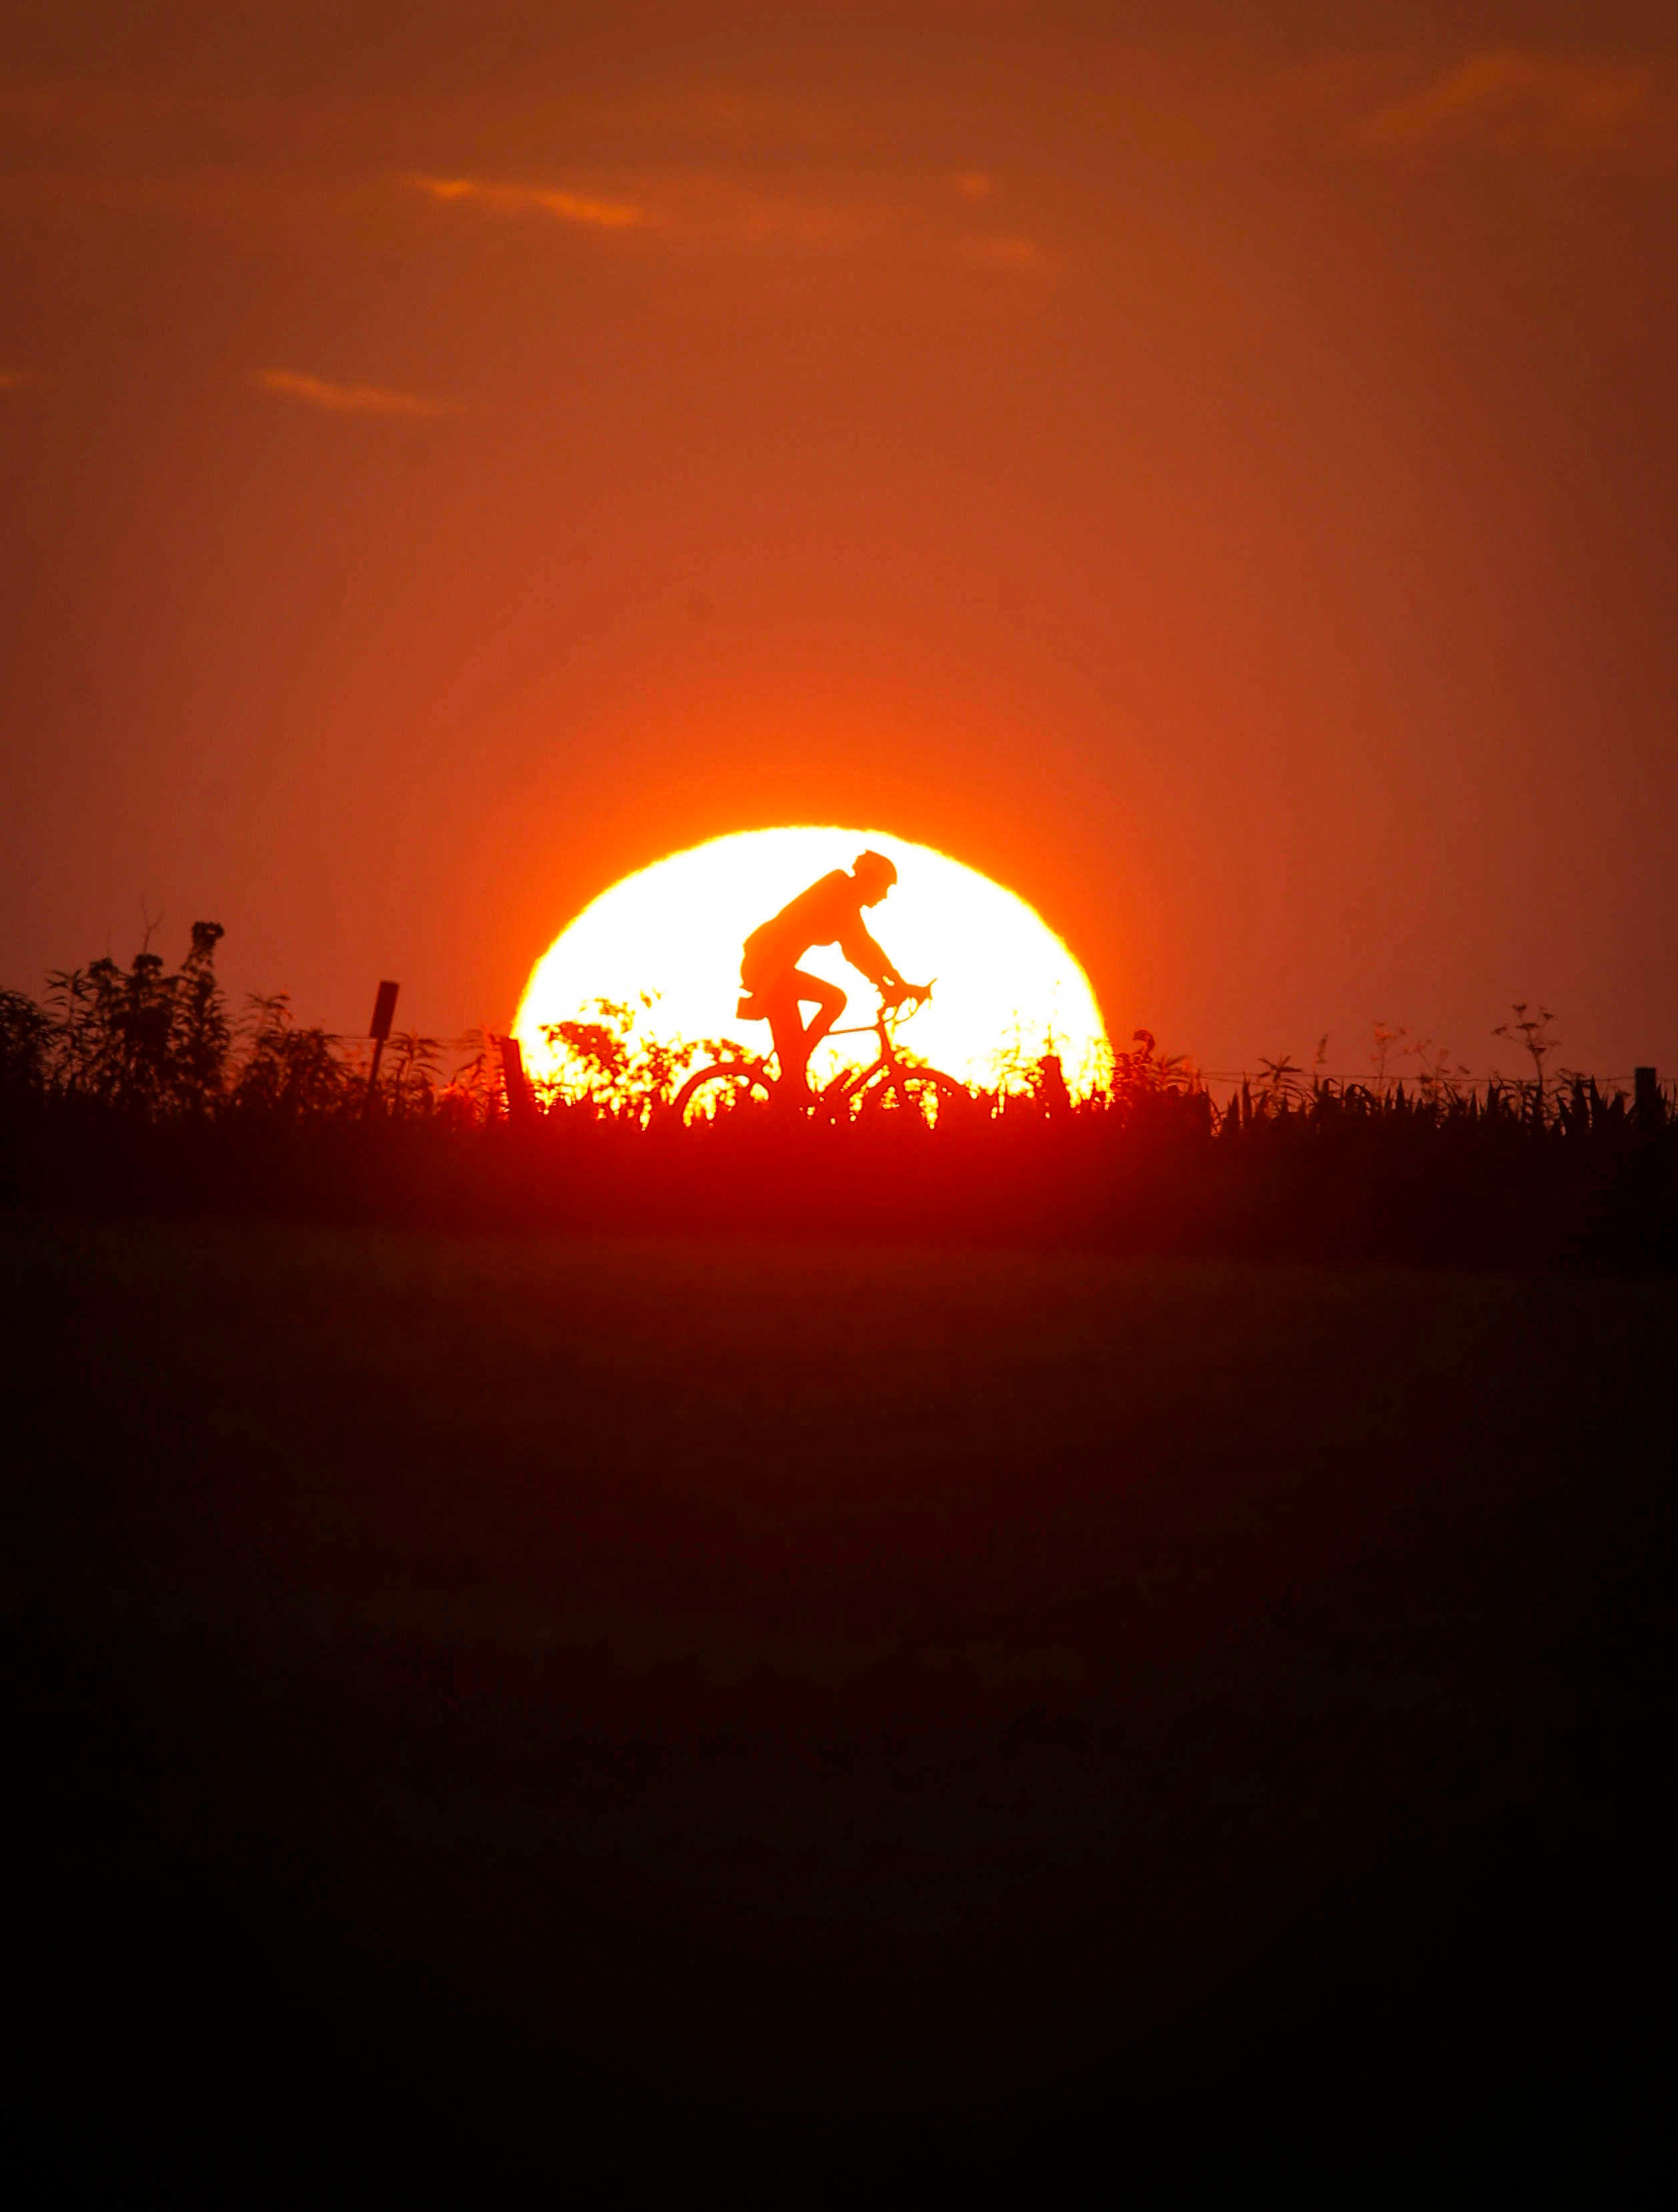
[850, 1086]
[840, 1085]
[850, 1081]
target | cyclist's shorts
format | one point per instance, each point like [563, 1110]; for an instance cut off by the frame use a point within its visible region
[764, 966]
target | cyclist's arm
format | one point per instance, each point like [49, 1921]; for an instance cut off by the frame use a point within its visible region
[861, 949]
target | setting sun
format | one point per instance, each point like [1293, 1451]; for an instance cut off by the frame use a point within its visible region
[1007, 989]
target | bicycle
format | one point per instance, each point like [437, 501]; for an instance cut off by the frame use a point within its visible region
[890, 1084]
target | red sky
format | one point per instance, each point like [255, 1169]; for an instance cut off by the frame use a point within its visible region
[1215, 475]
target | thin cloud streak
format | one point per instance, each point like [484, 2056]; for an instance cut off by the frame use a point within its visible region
[532, 199]
[1516, 101]
[347, 399]
[1001, 251]
[704, 210]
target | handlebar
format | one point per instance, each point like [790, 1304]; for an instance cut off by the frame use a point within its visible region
[890, 1010]
[909, 1004]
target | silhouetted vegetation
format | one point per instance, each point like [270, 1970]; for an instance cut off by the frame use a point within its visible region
[136, 1087]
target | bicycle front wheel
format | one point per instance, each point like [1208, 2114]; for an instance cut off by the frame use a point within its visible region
[726, 1087]
[920, 1096]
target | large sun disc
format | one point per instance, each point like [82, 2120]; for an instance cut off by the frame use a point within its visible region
[1007, 989]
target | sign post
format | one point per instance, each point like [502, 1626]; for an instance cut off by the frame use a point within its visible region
[383, 1012]
[519, 1105]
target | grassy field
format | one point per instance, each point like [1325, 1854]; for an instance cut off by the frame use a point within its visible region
[619, 1707]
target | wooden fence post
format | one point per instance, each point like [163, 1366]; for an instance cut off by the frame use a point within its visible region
[383, 1012]
[520, 1106]
[1646, 1099]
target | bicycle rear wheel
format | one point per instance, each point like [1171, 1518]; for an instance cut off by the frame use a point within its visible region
[922, 1096]
[727, 1086]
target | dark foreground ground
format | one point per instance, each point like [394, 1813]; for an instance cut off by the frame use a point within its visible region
[510, 1714]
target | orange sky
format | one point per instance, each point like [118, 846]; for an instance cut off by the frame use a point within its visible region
[1216, 476]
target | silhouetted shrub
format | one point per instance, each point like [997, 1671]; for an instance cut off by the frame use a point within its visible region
[131, 1088]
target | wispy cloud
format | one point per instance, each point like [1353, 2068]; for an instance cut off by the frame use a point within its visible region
[706, 209]
[533, 199]
[996, 250]
[687, 209]
[1516, 100]
[346, 398]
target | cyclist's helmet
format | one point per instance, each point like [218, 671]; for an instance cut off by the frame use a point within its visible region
[874, 867]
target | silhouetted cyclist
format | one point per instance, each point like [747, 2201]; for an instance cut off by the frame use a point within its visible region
[828, 913]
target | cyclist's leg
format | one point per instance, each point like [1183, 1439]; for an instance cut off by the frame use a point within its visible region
[828, 1001]
[782, 994]
[777, 995]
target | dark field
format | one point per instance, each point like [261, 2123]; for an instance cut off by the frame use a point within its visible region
[787, 1716]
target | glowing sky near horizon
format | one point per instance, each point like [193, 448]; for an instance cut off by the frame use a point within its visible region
[1210, 467]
